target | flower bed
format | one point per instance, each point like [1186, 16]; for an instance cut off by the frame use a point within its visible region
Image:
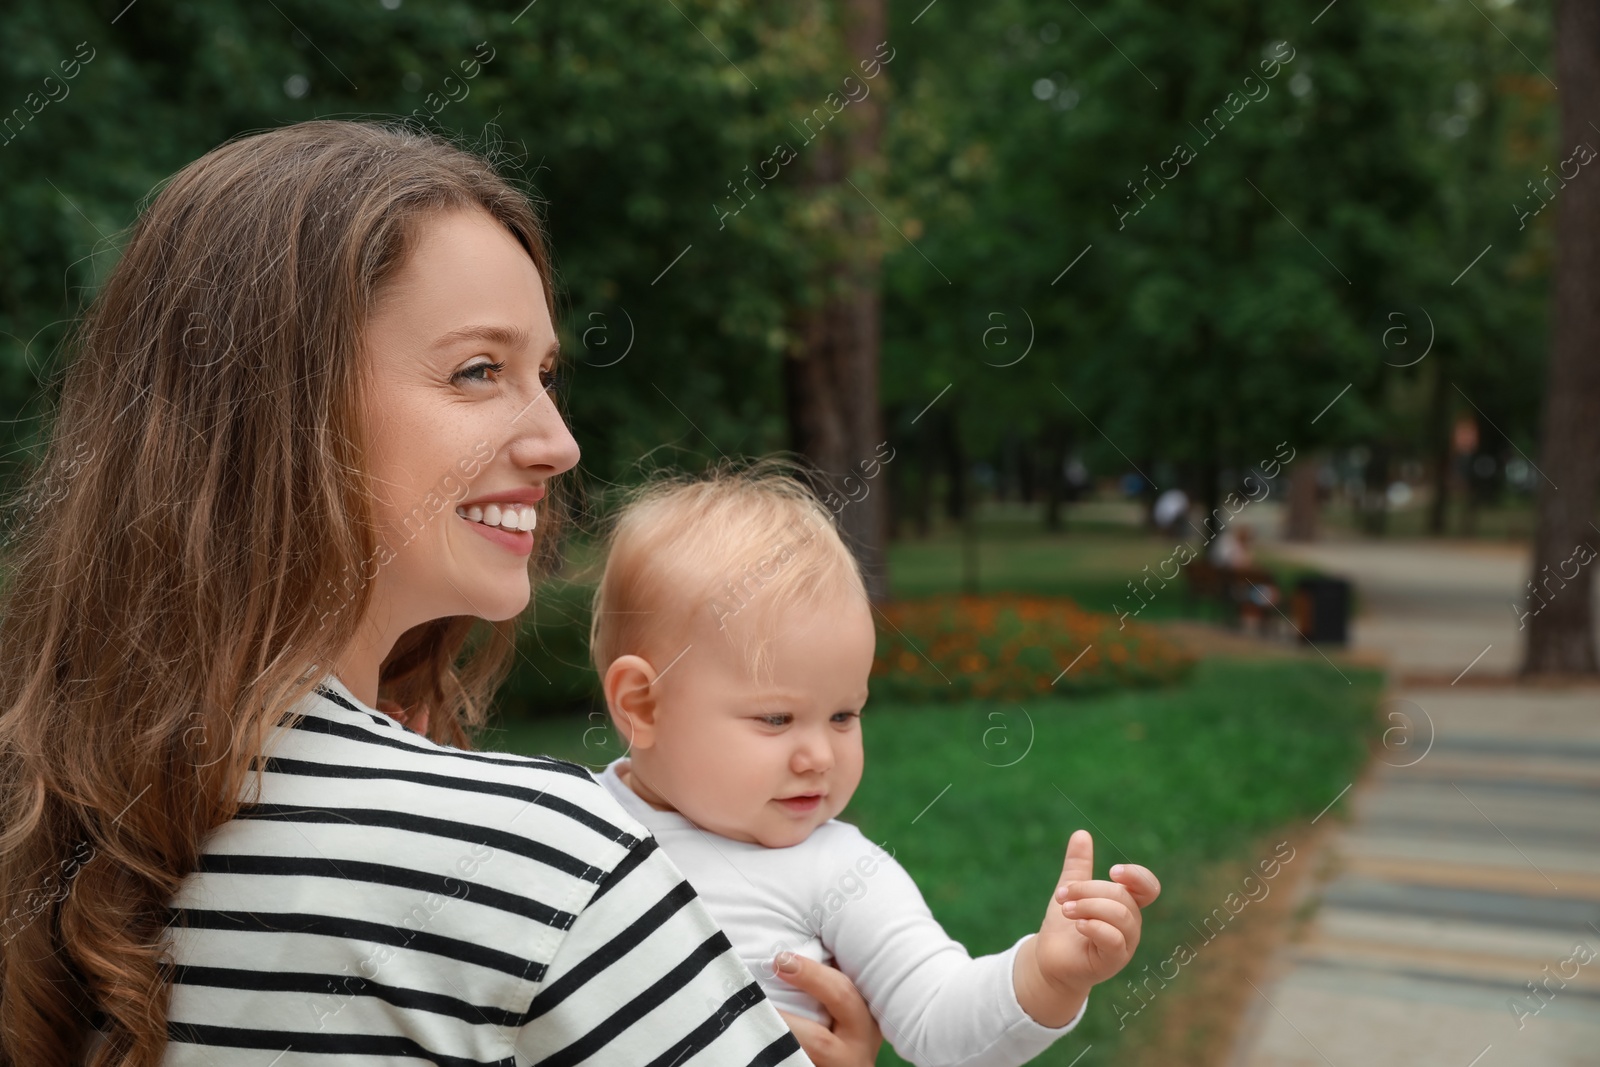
[1007, 647]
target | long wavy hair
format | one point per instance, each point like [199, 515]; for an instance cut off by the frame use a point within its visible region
[193, 550]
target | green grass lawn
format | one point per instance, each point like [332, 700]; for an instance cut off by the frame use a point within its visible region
[1188, 781]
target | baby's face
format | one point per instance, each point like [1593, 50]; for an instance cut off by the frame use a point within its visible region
[767, 759]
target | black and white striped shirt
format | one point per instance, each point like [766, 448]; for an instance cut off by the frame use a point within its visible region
[389, 900]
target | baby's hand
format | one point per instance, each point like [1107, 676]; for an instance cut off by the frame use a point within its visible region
[1090, 929]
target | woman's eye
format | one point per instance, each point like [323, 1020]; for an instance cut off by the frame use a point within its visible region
[551, 380]
[467, 374]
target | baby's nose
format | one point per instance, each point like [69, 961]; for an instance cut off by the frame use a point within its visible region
[813, 755]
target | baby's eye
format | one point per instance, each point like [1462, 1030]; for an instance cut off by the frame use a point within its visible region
[845, 716]
[775, 720]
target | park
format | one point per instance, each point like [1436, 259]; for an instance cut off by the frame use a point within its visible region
[1247, 525]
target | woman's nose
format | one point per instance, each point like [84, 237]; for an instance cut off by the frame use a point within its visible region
[542, 439]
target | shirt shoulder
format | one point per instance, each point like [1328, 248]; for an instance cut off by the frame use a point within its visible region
[342, 751]
[390, 886]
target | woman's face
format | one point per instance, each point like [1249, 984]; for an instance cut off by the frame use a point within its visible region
[461, 428]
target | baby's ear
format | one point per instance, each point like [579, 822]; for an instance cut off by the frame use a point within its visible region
[631, 699]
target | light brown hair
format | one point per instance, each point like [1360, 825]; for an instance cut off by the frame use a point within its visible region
[711, 545]
[195, 543]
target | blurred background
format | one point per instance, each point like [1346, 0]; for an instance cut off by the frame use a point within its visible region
[1209, 392]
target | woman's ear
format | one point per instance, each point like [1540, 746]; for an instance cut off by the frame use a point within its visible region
[632, 701]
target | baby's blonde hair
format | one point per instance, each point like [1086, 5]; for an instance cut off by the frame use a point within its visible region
[715, 543]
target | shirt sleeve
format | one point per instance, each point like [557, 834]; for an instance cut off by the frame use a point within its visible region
[936, 1004]
[645, 976]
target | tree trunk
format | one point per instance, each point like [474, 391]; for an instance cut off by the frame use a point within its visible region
[1439, 437]
[925, 445]
[969, 553]
[1147, 494]
[1300, 520]
[1375, 492]
[831, 383]
[1027, 470]
[1055, 476]
[1214, 516]
[1472, 497]
[955, 459]
[1561, 637]
[1211, 478]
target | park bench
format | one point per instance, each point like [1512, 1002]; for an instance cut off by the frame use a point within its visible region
[1230, 587]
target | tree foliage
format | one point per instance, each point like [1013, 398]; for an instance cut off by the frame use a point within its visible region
[1246, 252]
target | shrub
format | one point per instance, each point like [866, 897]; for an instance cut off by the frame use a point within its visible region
[1007, 647]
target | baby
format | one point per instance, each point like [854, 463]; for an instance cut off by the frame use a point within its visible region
[734, 639]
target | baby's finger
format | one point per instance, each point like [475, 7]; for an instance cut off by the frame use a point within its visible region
[1111, 911]
[1140, 881]
[1107, 938]
[1109, 890]
[1079, 861]
[1106, 911]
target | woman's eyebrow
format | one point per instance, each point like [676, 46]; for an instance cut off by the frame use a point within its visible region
[514, 338]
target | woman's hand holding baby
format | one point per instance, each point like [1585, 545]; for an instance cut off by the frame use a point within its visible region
[1090, 931]
[854, 1038]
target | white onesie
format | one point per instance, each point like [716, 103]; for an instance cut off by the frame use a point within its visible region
[838, 898]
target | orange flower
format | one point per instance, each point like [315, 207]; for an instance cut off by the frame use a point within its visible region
[984, 638]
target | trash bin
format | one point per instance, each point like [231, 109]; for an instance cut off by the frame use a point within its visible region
[1322, 610]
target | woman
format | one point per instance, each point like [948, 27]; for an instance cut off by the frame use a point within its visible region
[303, 456]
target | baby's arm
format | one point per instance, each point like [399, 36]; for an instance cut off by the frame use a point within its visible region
[937, 1005]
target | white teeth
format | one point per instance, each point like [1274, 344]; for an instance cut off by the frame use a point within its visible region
[507, 517]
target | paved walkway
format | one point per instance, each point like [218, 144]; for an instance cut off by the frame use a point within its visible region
[1431, 607]
[1459, 921]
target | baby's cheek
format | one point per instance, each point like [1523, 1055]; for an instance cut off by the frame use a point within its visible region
[728, 793]
[850, 779]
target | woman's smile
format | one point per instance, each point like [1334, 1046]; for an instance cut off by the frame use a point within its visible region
[507, 519]
[503, 527]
